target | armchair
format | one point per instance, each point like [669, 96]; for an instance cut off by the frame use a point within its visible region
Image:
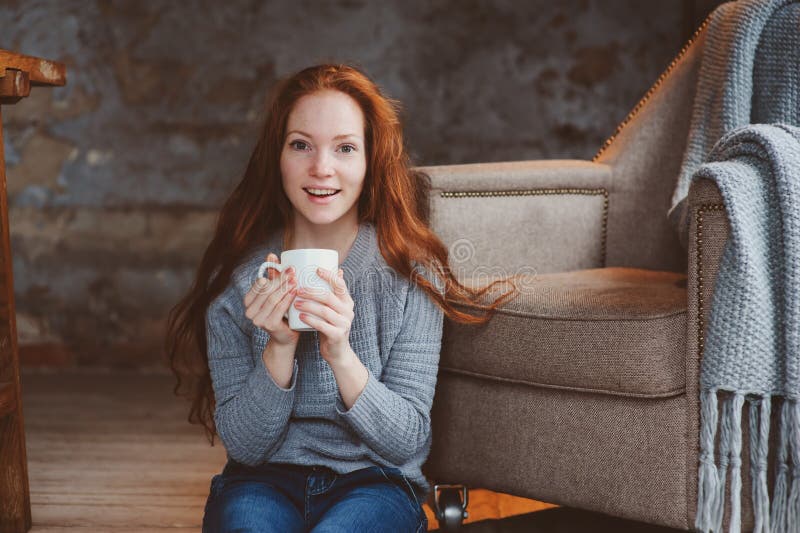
[583, 390]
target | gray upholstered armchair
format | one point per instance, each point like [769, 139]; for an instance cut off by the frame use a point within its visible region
[583, 391]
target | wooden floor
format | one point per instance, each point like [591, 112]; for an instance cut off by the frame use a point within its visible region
[114, 452]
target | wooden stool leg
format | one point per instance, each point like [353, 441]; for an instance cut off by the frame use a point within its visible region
[15, 501]
[17, 74]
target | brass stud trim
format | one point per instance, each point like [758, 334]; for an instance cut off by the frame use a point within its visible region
[701, 210]
[653, 88]
[541, 192]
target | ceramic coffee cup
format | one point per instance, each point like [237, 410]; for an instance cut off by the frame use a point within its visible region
[305, 262]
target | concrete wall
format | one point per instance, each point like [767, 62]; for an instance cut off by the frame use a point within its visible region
[114, 180]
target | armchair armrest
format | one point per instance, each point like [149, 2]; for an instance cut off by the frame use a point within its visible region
[500, 219]
[708, 232]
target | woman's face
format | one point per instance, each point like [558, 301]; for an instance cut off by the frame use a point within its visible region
[324, 149]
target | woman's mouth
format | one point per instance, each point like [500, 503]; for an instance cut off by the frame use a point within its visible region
[321, 196]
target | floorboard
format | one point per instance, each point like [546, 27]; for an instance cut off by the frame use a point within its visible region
[113, 452]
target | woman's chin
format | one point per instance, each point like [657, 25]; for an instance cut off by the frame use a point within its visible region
[320, 218]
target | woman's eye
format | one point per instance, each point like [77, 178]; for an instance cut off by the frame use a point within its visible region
[299, 145]
[348, 148]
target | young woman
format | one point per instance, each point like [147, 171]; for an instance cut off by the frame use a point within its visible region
[324, 430]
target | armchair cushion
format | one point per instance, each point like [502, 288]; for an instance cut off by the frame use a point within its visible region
[618, 331]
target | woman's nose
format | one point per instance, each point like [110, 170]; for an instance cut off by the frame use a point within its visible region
[322, 165]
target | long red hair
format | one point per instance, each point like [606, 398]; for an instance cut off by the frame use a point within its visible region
[394, 198]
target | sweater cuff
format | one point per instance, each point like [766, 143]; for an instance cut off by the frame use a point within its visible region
[266, 393]
[367, 403]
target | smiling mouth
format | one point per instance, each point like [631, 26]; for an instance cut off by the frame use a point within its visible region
[336, 191]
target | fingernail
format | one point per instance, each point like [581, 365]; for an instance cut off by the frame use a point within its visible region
[341, 273]
[261, 282]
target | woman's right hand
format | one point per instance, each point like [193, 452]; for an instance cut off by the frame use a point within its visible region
[269, 299]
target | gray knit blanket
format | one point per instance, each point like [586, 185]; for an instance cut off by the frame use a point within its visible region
[752, 347]
[724, 93]
[750, 73]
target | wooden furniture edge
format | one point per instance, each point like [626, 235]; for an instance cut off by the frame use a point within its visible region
[40, 71]
[8, 399]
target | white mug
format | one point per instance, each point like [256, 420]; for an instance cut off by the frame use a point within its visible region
[305, 262]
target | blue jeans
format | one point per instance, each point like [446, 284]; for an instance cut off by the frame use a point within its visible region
[286, 498]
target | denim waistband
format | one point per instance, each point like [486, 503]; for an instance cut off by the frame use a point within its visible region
[235, 466]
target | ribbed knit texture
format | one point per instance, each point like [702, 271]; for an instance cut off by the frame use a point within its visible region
[752, 341]
[396, 333]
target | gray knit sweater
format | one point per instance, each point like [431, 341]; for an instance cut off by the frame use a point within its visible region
[396, 333]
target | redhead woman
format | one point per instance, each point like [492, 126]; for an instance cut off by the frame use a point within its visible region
[325, 430]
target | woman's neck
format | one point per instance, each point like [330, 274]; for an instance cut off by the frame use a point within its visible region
[339, 236]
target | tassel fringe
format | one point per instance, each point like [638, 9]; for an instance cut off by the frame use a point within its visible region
[760, 410]
[793, 510]
[781, 495]
[783, 515]
[724, 461]
[707, 476]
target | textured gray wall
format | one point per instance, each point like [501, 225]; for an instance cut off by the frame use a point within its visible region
[114, 180]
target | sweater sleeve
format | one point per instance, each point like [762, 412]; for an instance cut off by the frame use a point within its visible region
[252, 411]
[392, 415]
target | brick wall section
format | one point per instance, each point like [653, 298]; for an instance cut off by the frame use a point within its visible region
[115, 179]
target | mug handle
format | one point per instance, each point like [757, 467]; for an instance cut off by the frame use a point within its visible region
[262, 270]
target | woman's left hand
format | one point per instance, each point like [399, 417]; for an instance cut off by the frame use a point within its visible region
[330, 313]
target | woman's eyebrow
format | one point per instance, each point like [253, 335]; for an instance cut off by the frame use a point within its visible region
[342, 136]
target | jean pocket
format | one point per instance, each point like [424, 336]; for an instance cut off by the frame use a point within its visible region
[401, 482]
[423, 523]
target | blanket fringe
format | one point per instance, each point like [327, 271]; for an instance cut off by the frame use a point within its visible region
[735, 422]
[707, 475]
[722, 467]
[784, 514]
[760, 409]
[780, 497]
[793, 510]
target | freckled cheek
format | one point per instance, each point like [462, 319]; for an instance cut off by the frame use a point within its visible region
[291, 173]
[355, 176]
